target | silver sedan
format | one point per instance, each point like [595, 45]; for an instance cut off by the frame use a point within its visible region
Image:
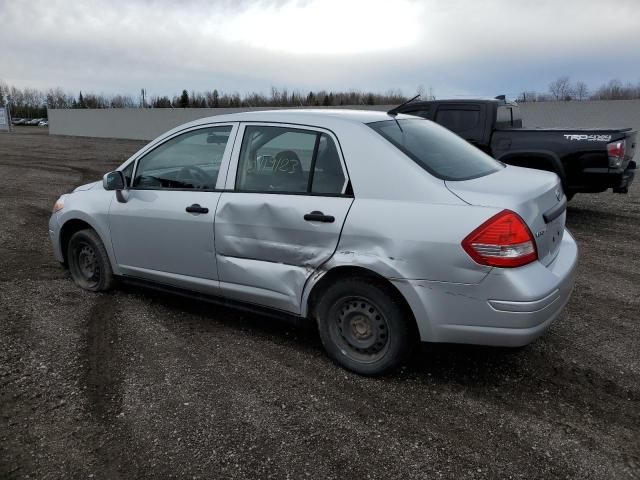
[383, 229]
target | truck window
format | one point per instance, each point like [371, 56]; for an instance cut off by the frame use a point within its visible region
[458, 120]
[508, 116]
[424, 113]
[516, 117]
[504, 117]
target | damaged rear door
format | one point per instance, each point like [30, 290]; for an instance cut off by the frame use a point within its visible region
[287, 198]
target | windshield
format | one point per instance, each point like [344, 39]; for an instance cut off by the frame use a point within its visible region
[436, 149]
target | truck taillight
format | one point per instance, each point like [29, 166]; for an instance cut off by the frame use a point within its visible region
[502, 241]
[615, 150]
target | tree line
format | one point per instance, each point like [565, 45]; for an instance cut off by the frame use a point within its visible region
[563, 89]
[33, 103]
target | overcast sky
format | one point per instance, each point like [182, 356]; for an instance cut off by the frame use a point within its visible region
[457, 47]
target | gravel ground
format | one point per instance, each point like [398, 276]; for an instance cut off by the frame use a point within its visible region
[135, 384]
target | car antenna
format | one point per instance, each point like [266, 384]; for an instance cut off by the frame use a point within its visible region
[394, 111]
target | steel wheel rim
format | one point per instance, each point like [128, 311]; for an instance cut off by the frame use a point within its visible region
[359, 328]
[87, 266]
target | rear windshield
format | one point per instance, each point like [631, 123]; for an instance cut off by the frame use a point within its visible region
[436, 149]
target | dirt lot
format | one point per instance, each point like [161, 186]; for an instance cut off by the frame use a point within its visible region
[135, 384]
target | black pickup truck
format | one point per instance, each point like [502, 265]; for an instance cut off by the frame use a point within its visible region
[586, 160]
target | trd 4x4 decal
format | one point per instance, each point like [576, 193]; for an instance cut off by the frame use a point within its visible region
[589, 138]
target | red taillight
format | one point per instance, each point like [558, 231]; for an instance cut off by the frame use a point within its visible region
[615, 150]
[502, 241]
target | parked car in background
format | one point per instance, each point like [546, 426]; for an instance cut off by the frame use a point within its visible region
[383, 229]
[34, 122]
[586, 160]
[18, 121]
[43, 123]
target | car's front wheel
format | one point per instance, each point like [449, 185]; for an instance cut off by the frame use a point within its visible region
[88, 261]
[364, 327]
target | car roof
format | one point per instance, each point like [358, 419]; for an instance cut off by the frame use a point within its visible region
[313, 117]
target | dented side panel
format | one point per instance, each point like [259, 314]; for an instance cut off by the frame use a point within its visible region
[407, 241]
[266, 250]
[412, 240]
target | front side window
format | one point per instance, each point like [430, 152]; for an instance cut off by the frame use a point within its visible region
[440, 152]
[128, 172]
[189, 161]
[289, 160]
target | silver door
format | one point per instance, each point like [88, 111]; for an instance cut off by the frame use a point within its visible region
[280, 222]
[164, 230]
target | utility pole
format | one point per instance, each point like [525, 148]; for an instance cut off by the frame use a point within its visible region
[7, 111]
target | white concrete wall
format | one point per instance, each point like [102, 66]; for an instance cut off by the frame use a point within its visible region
[138, 123]
[146, 124]
[591, 114]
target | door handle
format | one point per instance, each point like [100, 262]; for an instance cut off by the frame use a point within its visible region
[196, 208]
[317, 216]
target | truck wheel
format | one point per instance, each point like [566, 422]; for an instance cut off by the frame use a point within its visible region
[363, 327]
[88, 262]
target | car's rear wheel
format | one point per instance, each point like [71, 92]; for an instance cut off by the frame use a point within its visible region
[364, 327]
[88, 261]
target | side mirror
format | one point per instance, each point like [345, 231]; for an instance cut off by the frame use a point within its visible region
[114, 181]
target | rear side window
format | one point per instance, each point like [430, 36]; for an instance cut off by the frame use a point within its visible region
[328, 176]
[440, 152]
[289, 160]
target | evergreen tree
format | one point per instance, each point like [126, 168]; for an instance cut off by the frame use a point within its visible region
[184, 99]
[81, 103]
[216, 99]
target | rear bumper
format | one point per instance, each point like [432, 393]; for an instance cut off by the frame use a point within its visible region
[509, 307]
[624, 181]
[601, 179]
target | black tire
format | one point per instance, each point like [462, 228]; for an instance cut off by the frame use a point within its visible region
[363, 327]
[88, 262]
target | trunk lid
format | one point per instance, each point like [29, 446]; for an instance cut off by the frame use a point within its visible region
[532, 194]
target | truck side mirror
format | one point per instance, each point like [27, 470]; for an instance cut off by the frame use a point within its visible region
[113, 181]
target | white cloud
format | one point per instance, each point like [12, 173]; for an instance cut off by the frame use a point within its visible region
[329, 27]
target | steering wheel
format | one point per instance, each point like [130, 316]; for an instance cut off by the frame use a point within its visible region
[192, 172]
